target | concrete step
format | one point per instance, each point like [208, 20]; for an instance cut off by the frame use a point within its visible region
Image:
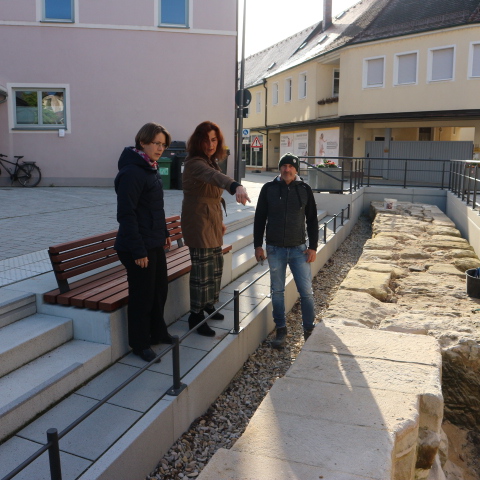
[243, 260]
[239, 218]
[240, 238]
[28, 338]
[15, 306]
[29, 390]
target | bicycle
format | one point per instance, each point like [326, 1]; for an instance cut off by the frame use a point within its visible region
[26, 173]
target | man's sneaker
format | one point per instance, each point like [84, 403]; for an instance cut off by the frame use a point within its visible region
[280, 337]
[307, 333]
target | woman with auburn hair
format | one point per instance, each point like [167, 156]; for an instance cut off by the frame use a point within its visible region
[142, 238]
[202, 219]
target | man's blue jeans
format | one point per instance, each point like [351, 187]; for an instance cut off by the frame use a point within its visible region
[295, 258]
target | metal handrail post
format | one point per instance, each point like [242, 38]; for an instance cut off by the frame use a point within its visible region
[335, 223]
[325, 232]
[443, 175]
[54, 454]
[468, 184]
[351, 176]
[236, 310]
[368, 172]
[341, 218]
[178, 386]
[405, 174]
[475, 183]
[463, 182]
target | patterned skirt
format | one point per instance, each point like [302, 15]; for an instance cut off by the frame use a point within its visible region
[205, 277]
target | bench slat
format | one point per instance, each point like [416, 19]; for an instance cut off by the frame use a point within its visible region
[62, 247]
[50, 297]
[83, 252]
[71, 297]
[115, 301]
[86, 268]
[94, 300]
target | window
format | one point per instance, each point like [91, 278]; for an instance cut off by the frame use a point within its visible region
[336, 83]
[39, 108]
[405, 69]
[302, 85]
[374, 72]
[275, 94]
[474, 61]
[173, 13]
[425, 134]
[258, 102]
[441, 63]
[288, 90]
[58, 10]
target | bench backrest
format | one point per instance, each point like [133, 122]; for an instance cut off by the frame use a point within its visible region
[87, 254]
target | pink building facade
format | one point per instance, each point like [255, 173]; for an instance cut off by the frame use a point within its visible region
[82, 76]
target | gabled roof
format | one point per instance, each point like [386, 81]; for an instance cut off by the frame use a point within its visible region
[402, 17]
[367, 20]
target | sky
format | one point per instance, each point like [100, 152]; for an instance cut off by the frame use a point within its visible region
[269, 21]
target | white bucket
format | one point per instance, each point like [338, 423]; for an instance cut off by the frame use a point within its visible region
[390, 203]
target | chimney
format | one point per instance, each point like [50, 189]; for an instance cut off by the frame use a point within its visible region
[327, 14]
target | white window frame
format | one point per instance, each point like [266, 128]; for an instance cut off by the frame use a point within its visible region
[396, 69]
[258, 102]
[302, 85]
[471, 58]
[41, 87]
[335, 94]
[59, 20]
[184, 24]
[365, 72]
[288, 89]
[430, 64]
[275, 93]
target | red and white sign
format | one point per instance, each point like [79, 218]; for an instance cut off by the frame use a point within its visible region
[256, 143]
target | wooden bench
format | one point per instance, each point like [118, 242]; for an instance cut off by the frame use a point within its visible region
[106, 290]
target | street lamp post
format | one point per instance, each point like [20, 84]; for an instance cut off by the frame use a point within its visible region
[241, 102]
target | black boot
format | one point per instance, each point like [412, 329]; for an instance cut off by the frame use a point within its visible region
[280, 338]
[194, 319]
[147, 354]
[210, 309]
[307, 333]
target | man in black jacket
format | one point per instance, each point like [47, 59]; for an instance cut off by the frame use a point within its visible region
[283, 207]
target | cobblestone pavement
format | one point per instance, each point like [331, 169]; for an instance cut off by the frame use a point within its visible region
[33, 219]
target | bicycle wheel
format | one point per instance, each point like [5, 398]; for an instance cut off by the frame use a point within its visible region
[29, 175]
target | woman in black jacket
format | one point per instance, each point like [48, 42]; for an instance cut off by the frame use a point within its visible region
[142, 238]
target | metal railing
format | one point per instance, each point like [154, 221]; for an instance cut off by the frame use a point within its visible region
[393, 172]
[465, 180]
[53, 436]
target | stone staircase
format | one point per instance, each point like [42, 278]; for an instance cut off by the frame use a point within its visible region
[40, 362]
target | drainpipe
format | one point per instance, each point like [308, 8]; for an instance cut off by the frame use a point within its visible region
[265, 143]
[327, 14]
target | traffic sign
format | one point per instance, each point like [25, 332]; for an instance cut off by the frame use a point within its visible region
[256, 143]
[247, 97]
[246, 132]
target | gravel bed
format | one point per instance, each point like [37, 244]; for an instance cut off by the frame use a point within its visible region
[227, 418]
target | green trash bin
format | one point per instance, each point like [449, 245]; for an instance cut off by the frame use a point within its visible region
[165, 171]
